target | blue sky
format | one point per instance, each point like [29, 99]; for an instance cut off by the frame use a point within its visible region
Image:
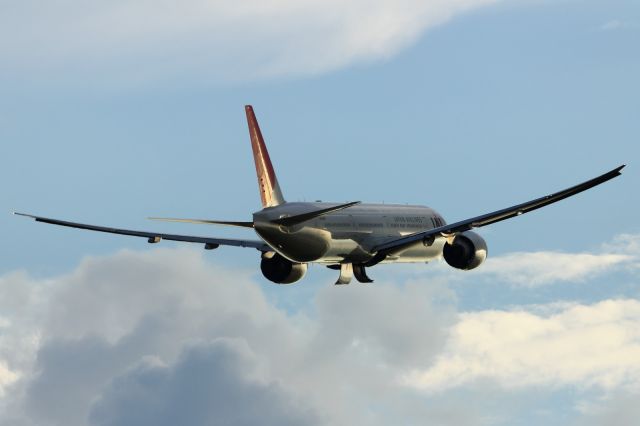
[111, 115]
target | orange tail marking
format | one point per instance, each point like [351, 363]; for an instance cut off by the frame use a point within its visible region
[267, 182]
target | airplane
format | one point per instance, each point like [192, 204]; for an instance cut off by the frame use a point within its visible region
[348, 237]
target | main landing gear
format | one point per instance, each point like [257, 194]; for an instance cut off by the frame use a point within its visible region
[348, 270]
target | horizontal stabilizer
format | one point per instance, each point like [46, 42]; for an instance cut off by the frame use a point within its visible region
[299, 218]
[204, 221]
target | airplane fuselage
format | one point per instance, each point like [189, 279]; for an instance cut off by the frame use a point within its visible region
[348, 235]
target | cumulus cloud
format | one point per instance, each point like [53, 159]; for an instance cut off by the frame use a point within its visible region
[531, 269]
[7, 377]
[208, 384]
[540, 268]
[581, 345]
[617, 409]
[147, 321]
[125, 334]
[211, 39]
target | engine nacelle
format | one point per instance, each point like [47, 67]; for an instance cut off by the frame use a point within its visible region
[468, 251]
[279, 270]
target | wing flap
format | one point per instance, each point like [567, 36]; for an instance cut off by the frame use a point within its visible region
[154, 236]
[497, 216]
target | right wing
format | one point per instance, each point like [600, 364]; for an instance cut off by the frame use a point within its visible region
[486, 219]
[154, 237]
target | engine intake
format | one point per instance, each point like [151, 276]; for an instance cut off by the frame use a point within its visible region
[280, 270]
[468, 251]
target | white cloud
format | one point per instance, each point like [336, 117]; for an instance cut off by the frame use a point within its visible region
[579, 345]
[7, 377]
[531, 269]
[616, 409]
[625, 244]
[139, 40]
[539, 268]
[102, 322]
[210, 383]
[616, 24]
[126, 333]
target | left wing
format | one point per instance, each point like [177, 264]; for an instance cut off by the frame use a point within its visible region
[489, 218]
[154, 237]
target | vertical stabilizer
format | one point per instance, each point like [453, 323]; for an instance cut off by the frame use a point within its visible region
[267, 181]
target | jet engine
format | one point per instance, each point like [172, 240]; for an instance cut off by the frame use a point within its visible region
[467, 251]
[280, 270]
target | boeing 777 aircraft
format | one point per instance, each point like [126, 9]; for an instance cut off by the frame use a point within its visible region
[347, 237]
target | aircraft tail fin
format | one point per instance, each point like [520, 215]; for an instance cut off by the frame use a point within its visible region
[270, 192]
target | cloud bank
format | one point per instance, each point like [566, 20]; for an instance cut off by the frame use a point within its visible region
[582, 345]
[534, 269]
[151, 337]
[141, 40]
[542, 268]
[208, 384]
[125, 334]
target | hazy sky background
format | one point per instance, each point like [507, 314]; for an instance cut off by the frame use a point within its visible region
[113, 112]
